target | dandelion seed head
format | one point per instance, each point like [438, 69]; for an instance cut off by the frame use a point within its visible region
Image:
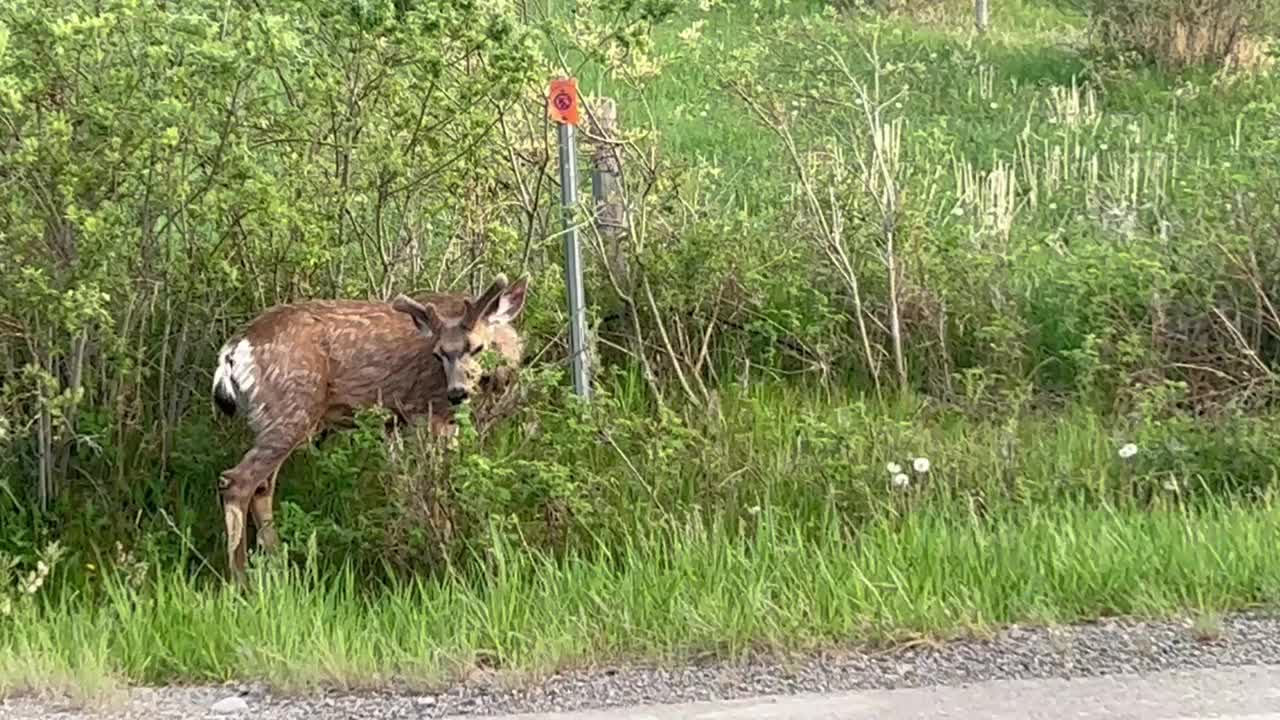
[1128, 450]
[33, 584]
[901, 480]
[893, 468]
[921, 465]
[691, 34]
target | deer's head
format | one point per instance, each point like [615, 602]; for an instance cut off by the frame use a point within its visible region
[457, 342]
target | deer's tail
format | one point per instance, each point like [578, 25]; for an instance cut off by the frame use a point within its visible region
[234, 367]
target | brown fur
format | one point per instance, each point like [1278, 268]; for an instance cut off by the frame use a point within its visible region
[305, 367]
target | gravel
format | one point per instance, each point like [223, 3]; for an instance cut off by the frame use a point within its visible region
[1101, 648]
[230, 705]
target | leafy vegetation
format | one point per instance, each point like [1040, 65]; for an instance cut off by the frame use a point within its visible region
[928, 329]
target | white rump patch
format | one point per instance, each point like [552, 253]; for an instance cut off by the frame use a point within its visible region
[237, 375]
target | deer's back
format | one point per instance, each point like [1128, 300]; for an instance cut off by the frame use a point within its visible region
[356, 353]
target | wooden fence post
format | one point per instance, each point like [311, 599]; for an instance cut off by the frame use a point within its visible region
[606, 184]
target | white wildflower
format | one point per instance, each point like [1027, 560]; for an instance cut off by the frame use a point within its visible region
[753, 510]
[691, 34]
[1128, 450]
[33, 584]
[921, 465]
[901, 480]
[1171, 485]
[957, 211]
[893, 468]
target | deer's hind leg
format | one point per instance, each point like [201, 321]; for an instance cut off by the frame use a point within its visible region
[250, 486]
[264, 516]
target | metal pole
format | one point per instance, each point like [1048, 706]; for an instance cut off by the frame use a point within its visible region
[573, 263]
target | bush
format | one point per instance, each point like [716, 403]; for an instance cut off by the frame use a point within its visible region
[169, 170]
[1181, 33]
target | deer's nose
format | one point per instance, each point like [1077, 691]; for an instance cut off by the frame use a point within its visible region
[457, 396]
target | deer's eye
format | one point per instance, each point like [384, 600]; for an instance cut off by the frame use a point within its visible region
[477, 349]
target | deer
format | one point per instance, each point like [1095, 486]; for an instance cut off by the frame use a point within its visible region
[299, 369]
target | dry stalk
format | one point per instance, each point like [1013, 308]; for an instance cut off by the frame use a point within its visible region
[830, 228]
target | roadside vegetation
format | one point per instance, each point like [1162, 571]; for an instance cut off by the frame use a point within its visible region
[912, 329]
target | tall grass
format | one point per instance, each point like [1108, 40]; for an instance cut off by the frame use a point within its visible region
[667, 592]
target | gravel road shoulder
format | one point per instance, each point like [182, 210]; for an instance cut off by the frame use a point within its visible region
[1103, 648]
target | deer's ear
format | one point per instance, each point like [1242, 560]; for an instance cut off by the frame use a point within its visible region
[424, 316]
[510, 303]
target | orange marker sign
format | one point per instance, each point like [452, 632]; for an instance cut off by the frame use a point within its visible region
[563, 104]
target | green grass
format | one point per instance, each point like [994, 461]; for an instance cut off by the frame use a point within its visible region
[669, 592]
[779, 531]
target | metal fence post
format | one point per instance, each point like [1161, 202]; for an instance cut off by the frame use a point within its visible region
[564, 110]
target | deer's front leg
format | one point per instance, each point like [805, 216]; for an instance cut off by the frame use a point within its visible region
[443, 426]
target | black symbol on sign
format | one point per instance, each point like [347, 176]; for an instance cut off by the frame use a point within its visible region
[563, 101]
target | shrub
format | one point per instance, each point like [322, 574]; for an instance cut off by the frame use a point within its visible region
[1181, 33]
